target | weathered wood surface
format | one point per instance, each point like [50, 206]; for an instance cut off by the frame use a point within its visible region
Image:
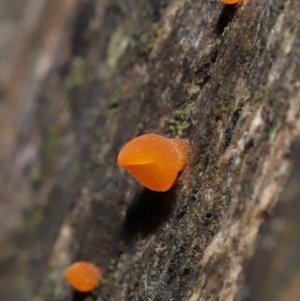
[83, 77]
[273, 272]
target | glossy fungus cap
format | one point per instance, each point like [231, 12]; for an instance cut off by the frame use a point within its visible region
[83, 276]
[230, 1]
[154, 160]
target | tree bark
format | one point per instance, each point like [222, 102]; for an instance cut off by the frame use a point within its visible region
[84, 77]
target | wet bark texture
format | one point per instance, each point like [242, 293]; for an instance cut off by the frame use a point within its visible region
[78, 79]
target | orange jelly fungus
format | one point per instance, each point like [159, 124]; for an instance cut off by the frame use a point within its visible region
[230, 1]
[155, 160]
[83, 276]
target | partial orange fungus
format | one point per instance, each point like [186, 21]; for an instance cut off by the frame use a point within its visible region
[83, 276]
[155, 160]
[230, 1]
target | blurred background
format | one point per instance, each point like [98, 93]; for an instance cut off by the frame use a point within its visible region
[35, 37]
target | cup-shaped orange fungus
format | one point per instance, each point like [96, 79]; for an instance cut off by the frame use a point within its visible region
[230, 1]
[155, 160]
[83, 276]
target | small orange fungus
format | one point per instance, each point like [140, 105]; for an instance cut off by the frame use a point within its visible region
[83, 276]
[155, 160]
[230, 1]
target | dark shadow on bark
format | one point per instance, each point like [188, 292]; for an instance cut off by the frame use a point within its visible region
[78, 296]
[147, 212]
[225, 18]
